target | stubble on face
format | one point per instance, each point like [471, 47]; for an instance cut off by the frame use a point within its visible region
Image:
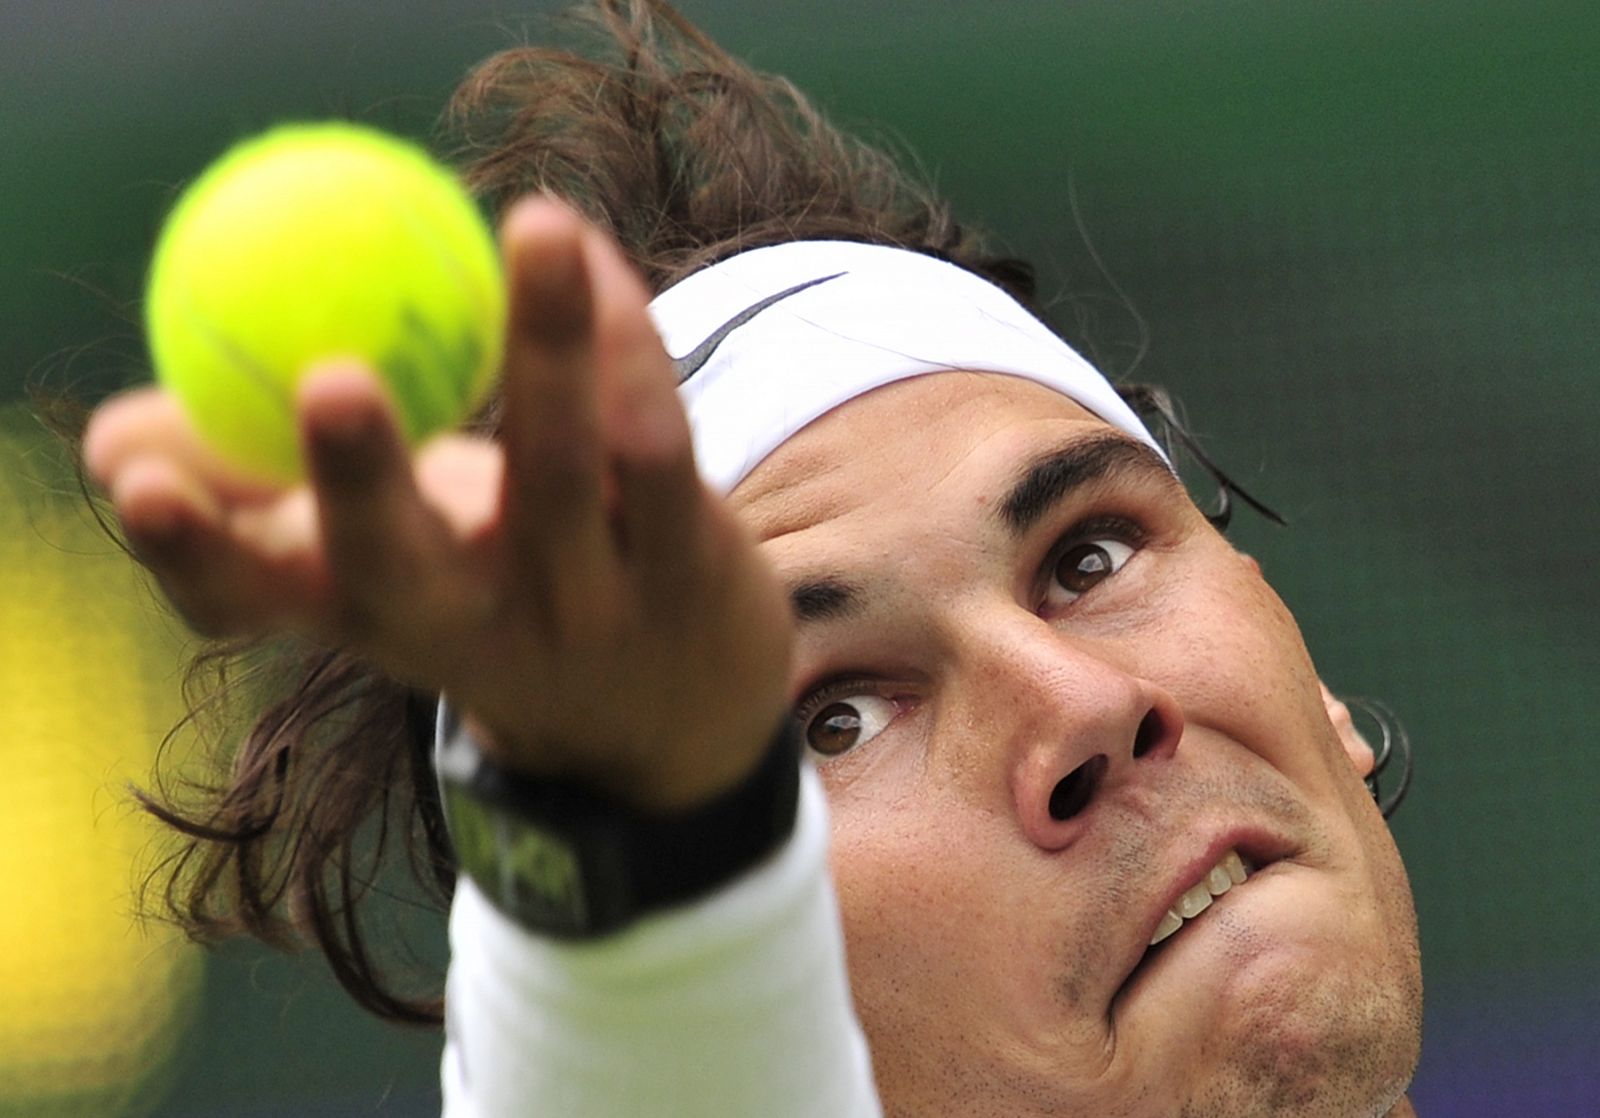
[985, 969]
[1356, 1062]
[1300, 1042]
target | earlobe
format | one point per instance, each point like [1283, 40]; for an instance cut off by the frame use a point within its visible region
[1356, 747]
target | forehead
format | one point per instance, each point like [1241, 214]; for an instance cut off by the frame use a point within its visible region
[951, 436]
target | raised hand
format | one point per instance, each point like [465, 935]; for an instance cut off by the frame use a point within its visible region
[573, 587]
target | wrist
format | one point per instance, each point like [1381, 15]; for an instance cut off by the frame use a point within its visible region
[661, 781]
[565, 860]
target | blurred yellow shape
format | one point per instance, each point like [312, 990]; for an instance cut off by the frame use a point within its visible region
[94, 1002]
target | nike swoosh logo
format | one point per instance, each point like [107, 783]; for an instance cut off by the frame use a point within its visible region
[689, 364]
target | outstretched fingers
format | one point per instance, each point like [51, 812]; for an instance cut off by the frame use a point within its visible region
[603, 504]
[223, 581]
[556, 493]
[659, 514]
[390, 559]
[148, 422]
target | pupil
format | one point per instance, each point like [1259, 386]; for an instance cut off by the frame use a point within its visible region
[834, 729]
[1083, 566]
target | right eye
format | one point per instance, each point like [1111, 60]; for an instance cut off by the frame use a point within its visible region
[835, 724]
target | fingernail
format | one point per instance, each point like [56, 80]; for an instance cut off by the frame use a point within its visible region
[344, 427]
[345, 448]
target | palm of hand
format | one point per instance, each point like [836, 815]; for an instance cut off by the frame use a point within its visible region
[572, 587]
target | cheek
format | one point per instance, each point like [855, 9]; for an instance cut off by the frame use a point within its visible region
[945, 965]
[905, 888]
[893, 896]
[1234, 658]
[1258, 687]
[920, 888]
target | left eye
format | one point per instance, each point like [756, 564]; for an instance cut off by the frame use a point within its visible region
[1083, 566]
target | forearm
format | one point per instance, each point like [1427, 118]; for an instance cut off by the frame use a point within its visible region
[734, 1005]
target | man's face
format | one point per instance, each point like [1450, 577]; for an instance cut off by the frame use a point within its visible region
[1057, 700]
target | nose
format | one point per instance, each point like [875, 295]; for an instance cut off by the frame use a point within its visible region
[1078, 722]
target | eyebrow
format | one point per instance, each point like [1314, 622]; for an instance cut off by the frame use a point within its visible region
[824, 599]
[1045, 481]
[1057, 474]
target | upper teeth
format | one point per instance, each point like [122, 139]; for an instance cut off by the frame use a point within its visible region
[1227, 873]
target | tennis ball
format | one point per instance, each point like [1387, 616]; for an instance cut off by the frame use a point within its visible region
[318, 241]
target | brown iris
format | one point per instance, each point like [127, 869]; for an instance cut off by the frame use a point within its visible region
[834, 729]
[1082, 566]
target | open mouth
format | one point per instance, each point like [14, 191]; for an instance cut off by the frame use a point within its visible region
[1231, 870]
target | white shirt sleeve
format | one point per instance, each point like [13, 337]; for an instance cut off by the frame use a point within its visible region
[734, 1005]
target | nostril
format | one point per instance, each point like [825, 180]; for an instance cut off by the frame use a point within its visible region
[1149, 733]
[1073, 792]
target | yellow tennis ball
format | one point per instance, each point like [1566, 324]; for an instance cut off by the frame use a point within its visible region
[319, 241]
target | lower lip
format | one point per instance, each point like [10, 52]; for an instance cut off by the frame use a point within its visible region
[1193, 930]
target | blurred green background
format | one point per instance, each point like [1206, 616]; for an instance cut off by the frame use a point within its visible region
[1360, 241]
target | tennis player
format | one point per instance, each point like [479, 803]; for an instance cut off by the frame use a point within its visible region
[845, 707]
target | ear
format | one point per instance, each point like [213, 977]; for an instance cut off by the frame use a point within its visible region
[1355, 746]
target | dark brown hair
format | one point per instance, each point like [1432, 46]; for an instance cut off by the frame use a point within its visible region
[685, 156]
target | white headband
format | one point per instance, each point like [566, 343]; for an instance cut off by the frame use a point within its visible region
[783, 334]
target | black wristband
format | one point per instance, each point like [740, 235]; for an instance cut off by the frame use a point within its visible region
[564, 861]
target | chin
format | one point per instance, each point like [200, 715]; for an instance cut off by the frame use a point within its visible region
[1343, 1047]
